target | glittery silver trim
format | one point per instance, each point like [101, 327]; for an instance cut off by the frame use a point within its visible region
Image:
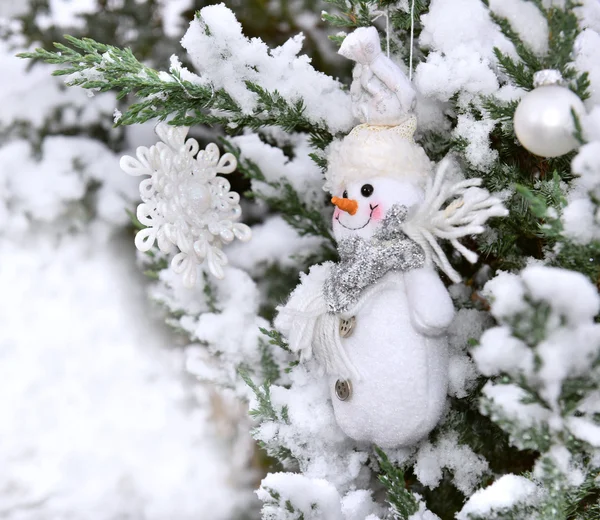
[364, 262]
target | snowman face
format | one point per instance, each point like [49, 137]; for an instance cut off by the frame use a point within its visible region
[362, 205]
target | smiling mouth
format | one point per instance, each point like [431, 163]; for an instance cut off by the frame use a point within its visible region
[364, 225]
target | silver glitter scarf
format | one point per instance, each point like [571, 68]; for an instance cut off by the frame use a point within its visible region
[364, 262]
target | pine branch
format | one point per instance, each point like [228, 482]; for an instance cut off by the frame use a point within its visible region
[500, 111]
[520, 71]
[578, 134]
[563, 29]
[354, 13]
[403, 502]
[99, 67]
[270, 370]
[305, 219]
[362, 13]
[290, 511]
[265, 410]
[209, 293]
[275, 338]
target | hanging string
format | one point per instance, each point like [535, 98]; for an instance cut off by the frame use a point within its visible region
[412, 38]
[387, 27]
[387, 32]
[379, 14]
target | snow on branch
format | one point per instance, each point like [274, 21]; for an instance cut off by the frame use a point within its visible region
[241, 82]
[228, 60]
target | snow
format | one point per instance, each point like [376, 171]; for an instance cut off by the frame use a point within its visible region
[591, 124]
[588, 13]
[98, 417]
[359, 505]
[570, 340]
[585, 430]
[172, 11]
[503, 494]
[227, 59]
[586, 164]
[460, 70]
[300, 172]
[506, 294]
[462, 376]
[66, 13]
[95, 414]
[477, 134]
[561, 344]
[580, 216]
[231, 332]
[563, 462]
[567, 353]
[315, 499]
[312, 434]
[569, 293]
[468, 324]
[453, 23]
[587, 55]
[512, 400]
[467, 466]
[46, 188]
[499, 351]
[431, 115]
[526, 20]
[83, 362]
[423, 514]
[579, 221]
[461, 37]
[263, 251]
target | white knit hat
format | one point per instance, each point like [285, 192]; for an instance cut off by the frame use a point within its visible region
[377, 151]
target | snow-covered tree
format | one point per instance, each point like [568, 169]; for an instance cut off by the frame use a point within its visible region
[98, 417]
[520, 434]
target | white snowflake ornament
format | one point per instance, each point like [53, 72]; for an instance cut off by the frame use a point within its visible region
[186, 206]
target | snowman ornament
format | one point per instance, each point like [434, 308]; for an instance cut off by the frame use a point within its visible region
[376, 321]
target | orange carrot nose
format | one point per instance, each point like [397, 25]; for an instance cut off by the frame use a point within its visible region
[347, 205]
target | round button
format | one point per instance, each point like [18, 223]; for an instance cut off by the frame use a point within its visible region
[343, 389]
[347, 327]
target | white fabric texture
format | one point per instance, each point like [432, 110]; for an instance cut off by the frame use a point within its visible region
[310, 329]
[380, 151]
[401, 395]
[469, 209]
[397, 347]
[381, 92]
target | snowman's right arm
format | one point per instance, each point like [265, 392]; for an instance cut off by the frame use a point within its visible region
[297, 319]
[431, 307]
[310, 329]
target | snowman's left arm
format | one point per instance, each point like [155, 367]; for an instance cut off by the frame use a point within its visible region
[431, 307]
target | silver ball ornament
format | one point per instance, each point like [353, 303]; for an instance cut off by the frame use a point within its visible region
[543, 121]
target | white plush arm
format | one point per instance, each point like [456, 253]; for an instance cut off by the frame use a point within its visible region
[430, 304]
[298, 318]
[310, 329]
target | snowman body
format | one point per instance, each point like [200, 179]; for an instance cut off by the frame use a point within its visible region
[401, 392]
[397, 342]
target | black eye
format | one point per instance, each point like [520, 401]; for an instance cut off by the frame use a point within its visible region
[345, 194]
[366, 190]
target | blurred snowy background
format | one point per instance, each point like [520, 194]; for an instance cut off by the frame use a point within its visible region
[98, 417]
